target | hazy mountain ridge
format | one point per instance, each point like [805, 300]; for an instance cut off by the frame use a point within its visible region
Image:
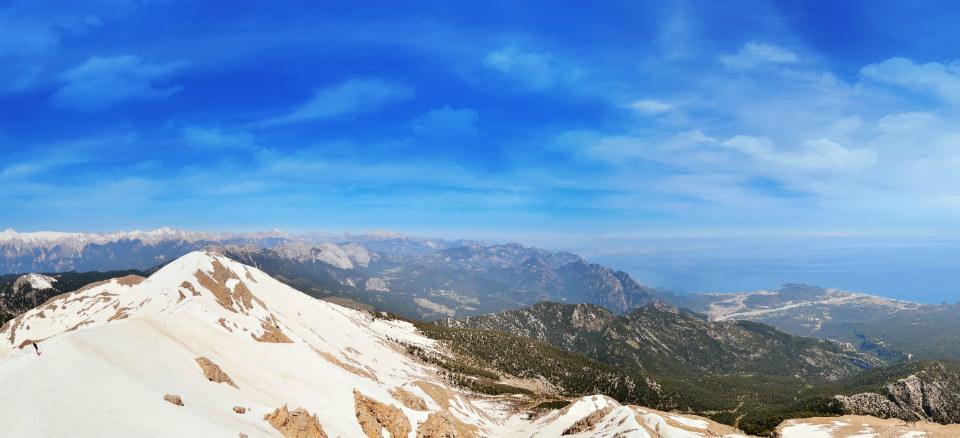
[51, 251]
[460, 280]
[889, 328]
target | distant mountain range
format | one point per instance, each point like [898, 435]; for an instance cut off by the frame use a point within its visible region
[415, 277]
[891, 329]
[469, 279]
[49, 251]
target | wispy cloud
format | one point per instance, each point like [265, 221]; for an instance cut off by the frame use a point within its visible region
[533, 70]
[755, 54]
[215, 137]
[650, 106]
[344, 100]
[940, 80]
[101, 82]
[446, 123]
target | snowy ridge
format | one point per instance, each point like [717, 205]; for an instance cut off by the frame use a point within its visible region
[856, 426]
[50, 239]
[233, 346]
[36, 281]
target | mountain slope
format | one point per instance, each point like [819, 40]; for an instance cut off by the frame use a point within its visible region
[209, 347]
[666, 340]
[724, 370]
[19, 293]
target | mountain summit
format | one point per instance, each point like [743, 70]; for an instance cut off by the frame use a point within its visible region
[207, 346]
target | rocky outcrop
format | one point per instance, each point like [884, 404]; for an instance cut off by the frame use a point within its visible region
[174, 399]
[296, 424]
[213, 372]
[932, 394]
[375, 416]
[443, 425]
[408, 399]
[589, 422]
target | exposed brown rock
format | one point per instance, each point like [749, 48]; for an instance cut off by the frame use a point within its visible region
[236, 300]
[130, 280]
[272, 333]
[13, 328]
[223, 322]
[375, 416]
[93, 285]
[355, 370]
[78, 325]
[443, 425]
[240, 409]
[189, 286]
[589, 422]
[439, 394]
[27, 342]
[121, 314]
[175, 399]
[249, 275]
[296, 424]
[408, 399]
[213, 372]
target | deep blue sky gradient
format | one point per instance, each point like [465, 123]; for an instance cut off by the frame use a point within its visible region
[513, 120]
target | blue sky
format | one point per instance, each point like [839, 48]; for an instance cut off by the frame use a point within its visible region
[519, 120]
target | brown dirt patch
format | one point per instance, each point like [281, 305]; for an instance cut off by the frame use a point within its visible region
[120, 314]
[296, 424]
[272, 333]
[236, 300]
[444, 425]
[589, 422]
[213, 372]
[439, 394]
[175, 399]
[355, 370]
[240, 409]
[93, 285]
[78, 325]
[130, 280]
[375, 416]
[408, 399]
[189, 286]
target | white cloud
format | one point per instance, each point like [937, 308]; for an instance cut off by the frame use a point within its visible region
[651, 106]
[216, 137]
[534, 70]
[347, 99]
[941, 80]
[816, 156]
[754, 54]
[101, 82]
[446, 123]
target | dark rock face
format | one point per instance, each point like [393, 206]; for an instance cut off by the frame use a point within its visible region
[932, 394]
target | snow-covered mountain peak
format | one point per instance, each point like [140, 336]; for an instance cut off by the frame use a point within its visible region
[207, 346]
